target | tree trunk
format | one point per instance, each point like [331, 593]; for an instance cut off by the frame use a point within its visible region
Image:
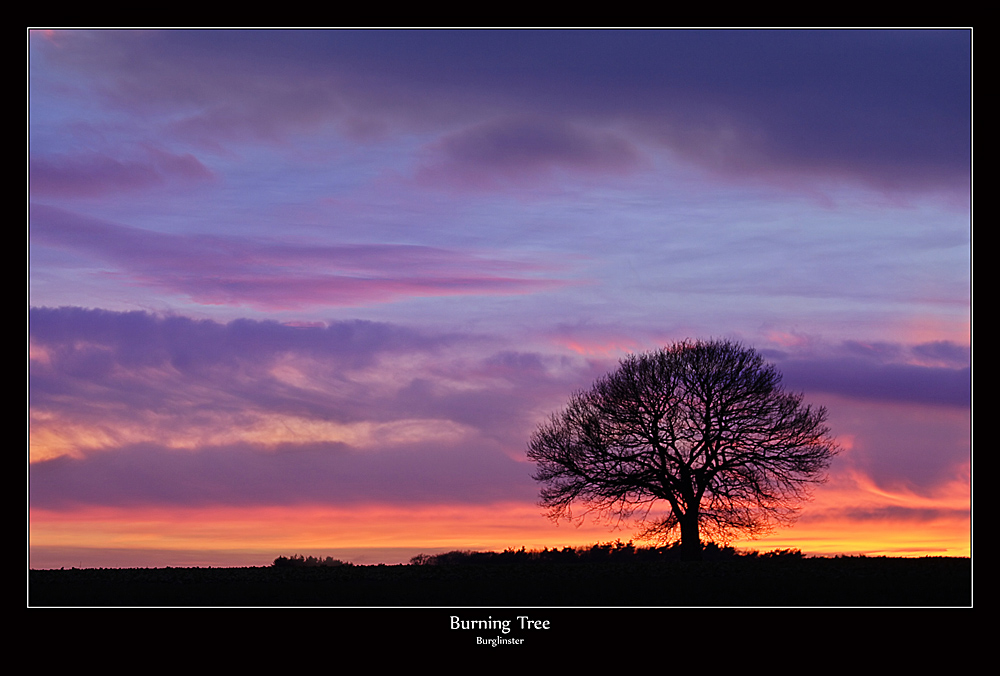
[690, 540]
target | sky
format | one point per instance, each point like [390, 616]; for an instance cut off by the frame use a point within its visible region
[311, 292]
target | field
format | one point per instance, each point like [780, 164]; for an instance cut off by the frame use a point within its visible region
[829, 582]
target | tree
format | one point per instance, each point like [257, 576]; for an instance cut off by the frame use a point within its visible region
[701, 427]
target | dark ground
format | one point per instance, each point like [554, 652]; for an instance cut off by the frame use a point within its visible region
[848, 581]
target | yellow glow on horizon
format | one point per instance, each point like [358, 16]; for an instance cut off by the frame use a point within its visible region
[436, 526]
[942, 537]
[259, 534]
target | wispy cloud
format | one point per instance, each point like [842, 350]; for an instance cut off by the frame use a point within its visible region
[270, 274]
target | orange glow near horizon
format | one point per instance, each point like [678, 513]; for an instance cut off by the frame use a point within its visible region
[889, 529]
[851, 514]
[255, 536]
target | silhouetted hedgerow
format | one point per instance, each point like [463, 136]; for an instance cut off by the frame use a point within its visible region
[599, 552]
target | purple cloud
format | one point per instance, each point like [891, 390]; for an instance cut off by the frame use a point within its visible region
[888, 108]
[891, 514]
[329, 474]
[95, 175]
[517, 151]
[188, 412]
[221, 270]
[197, 412]
[148, 362]
[944, 352]
[862, 379]
[134, 372]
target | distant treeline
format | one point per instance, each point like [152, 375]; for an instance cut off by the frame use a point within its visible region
[297, 561]
[605, 551]
[608, 551]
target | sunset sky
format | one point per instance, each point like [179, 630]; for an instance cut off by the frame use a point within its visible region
[312, 291]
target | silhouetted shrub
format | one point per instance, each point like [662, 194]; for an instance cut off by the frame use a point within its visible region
[783, 554]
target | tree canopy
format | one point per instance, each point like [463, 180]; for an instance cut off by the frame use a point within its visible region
[702, 429]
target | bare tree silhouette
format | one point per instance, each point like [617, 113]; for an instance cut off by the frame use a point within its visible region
[701, 427]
